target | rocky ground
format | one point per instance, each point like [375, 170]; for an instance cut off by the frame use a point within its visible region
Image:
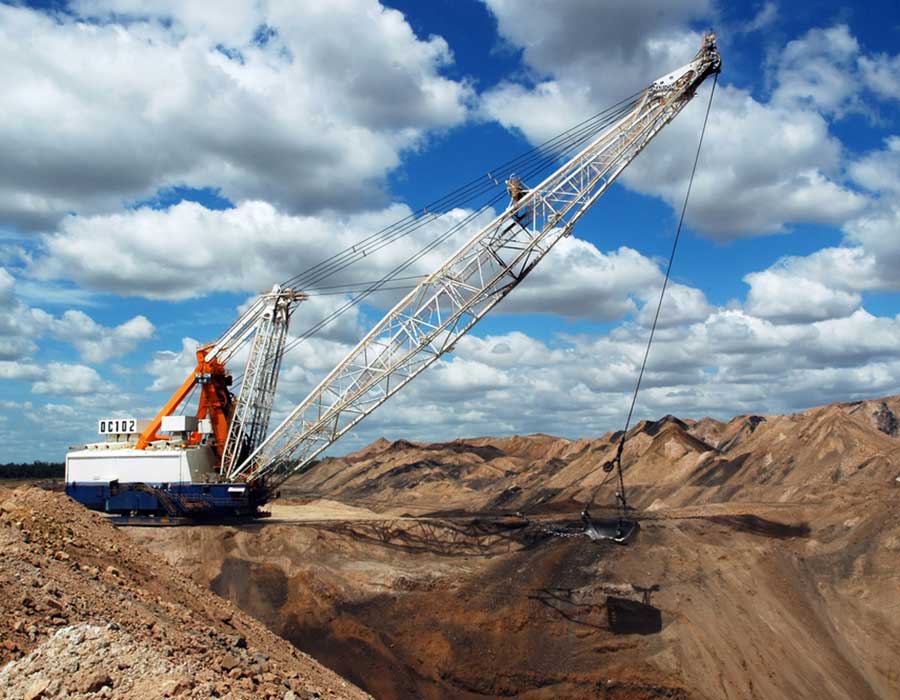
[669, 462]
[767, 566]
[87, 613]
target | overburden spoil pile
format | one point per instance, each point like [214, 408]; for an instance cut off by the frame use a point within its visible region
[669, 462]
[767, 565]
[87, 613]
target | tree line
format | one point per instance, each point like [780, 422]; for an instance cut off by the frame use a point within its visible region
[33, 470]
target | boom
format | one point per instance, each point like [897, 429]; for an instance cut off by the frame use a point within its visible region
[442, 308]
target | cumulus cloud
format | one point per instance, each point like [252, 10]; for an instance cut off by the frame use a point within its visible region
[880, 72]
[189, 250]
[112, 101]
[827, 68]
[681, 305]
[879, 171]
[765, 17]
[61, 379]
[876, 231]
[782, 296]
[829, 283]
[170, 368]
[764, 166]
[728, 363]
[69, 380]
[577, 280]
[819, 69]
[300, 131]
[95, 342]
[251, 246]
[611, 46]
[21, 325]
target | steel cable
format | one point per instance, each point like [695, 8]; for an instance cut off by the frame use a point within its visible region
[462, 194]
[616, 462]
[536, 163]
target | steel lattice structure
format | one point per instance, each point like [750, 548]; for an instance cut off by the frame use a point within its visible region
[253, 406]
[442, 308]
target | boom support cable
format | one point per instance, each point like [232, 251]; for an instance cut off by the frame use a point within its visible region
[548, 151]
[615, 464]
[531, 164]
[429, 321]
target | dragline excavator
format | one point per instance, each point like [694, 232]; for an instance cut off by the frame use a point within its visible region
[222, 460]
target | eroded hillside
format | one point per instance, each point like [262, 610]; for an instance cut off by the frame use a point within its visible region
[669, 462]
[766, 565]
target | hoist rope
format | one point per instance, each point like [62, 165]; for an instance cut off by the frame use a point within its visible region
[616, 461]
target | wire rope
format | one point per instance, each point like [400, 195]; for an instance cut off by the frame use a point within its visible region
[465, 193]
[615, 464]
[539, 160]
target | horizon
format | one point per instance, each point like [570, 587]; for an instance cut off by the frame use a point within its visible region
[161, 166]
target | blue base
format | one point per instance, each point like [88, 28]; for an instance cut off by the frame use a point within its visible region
[171, 500]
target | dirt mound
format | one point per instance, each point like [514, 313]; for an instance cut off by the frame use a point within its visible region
[714, 601]
[86, 612]
[671, 461]
[766, 565]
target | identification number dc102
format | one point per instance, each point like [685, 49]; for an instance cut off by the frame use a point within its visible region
[115, 426]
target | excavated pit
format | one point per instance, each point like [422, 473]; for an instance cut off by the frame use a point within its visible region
[707, 603]
[767, 564]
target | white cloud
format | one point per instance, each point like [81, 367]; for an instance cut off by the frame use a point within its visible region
[880, 74]
[182, 94]
[764, 165]
[61, 379]
[145, 100]
[819, 69]
[681, 305]
[12, 369]
[96, 343]
[21, 325]
[780, 296]
[764, 18]
[728, 363]
[18, 325]
[876, 231]
[169, 369]
[612, 45]
[879, 171]
[827, 68]
[251, 246]
[829, 282]
[247, 248]
[823, 285]
[576, 280]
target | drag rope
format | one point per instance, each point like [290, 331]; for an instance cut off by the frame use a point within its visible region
[615, 464]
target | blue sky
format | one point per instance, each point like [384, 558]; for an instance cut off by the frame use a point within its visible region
[158, 169]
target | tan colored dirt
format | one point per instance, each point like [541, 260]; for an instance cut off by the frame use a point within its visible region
[87, 613]
[753, 601]
[766, 566]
